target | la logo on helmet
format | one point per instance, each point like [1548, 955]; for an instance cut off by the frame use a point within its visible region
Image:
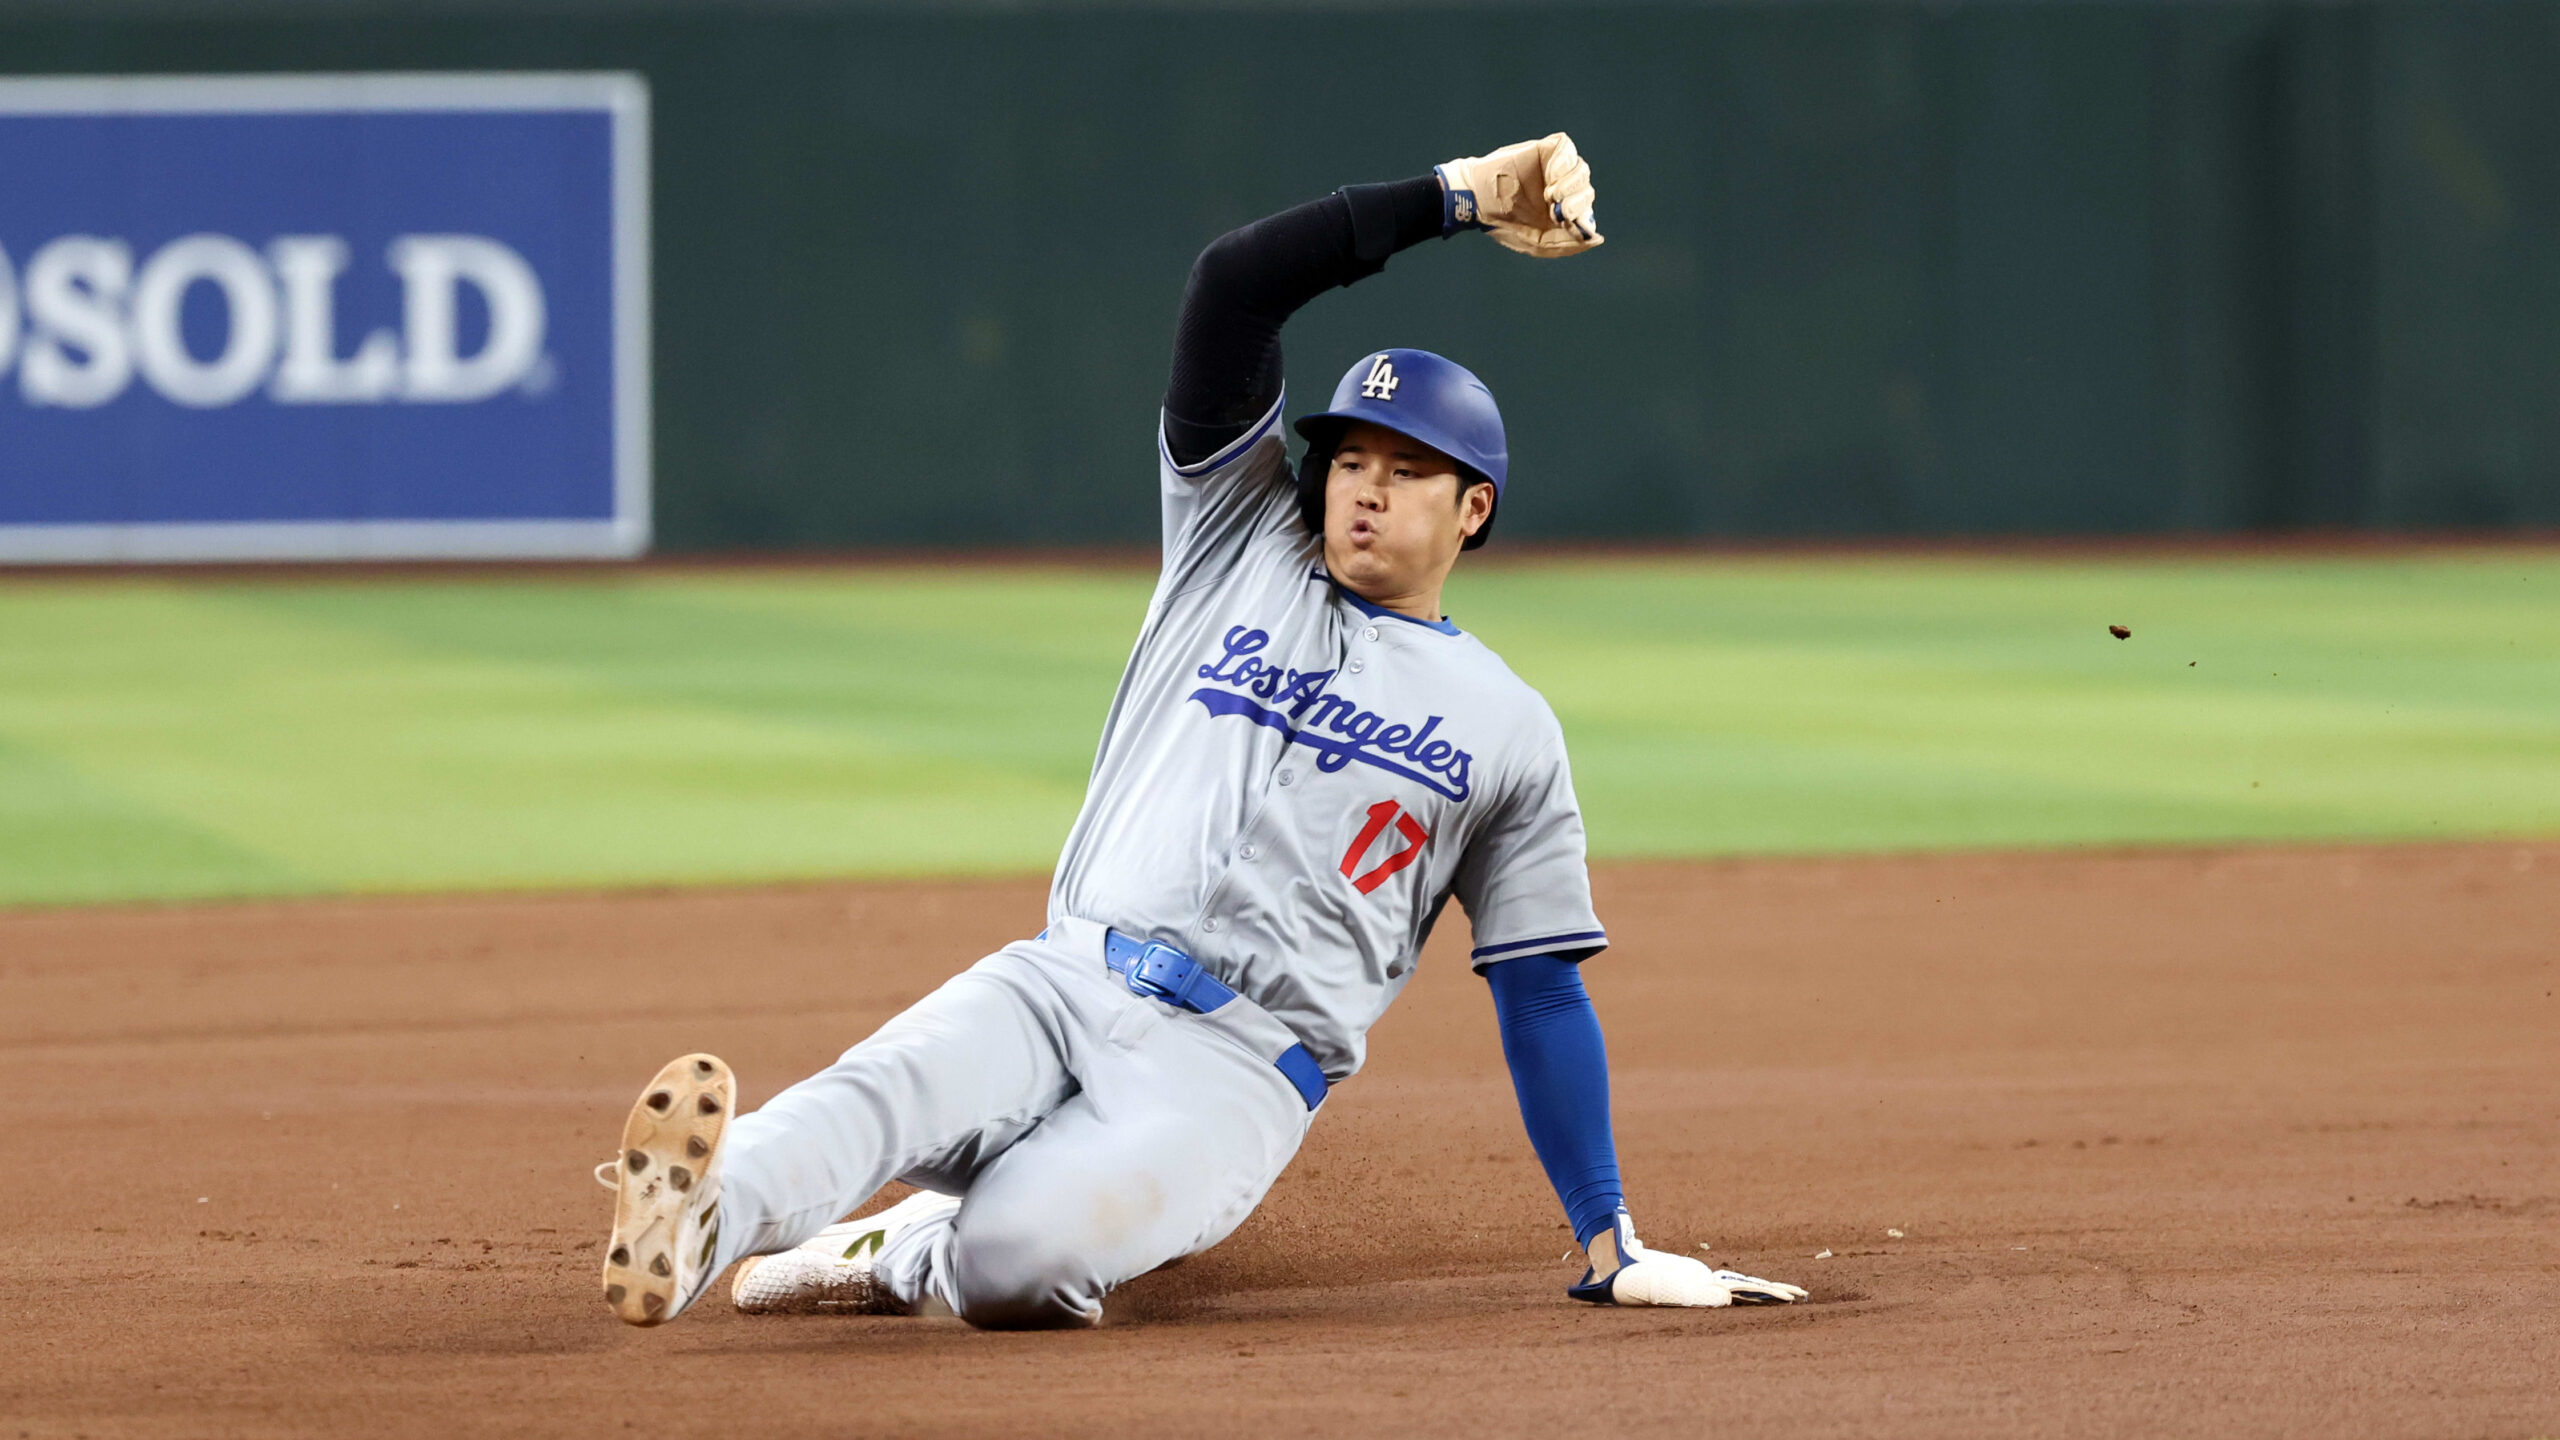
[1381, 381]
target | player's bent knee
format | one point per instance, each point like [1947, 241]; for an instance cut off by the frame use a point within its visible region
[1028, 1309]
[1026, 1302]
[1018, 1279]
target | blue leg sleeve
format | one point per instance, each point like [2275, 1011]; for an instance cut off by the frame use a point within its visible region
[1560, 1071]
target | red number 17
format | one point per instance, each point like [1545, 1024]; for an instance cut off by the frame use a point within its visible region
[1380, 816]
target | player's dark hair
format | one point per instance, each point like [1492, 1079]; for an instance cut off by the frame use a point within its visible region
[1317, 463]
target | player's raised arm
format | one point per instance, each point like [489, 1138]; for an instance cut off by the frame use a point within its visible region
[1534, 197]
[1249, 281]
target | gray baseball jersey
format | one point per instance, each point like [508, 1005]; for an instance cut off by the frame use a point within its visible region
[1292, 782]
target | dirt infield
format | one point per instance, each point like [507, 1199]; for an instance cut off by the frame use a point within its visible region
[2232, 1143]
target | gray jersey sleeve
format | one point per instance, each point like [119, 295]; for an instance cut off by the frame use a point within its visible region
[1217, 506]
[1525, 880]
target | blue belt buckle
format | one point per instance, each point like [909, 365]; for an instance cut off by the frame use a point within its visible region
[1161, 972]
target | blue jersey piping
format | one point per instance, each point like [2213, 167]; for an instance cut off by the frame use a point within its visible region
[1380, 612]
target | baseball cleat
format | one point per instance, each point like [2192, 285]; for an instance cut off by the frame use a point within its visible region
[832, 1273]
[666, 1191]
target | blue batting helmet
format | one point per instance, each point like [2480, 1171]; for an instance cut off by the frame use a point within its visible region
[1412, 392]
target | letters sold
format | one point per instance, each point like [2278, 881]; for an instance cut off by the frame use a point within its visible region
[84, 319]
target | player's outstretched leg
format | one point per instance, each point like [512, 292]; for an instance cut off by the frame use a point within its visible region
[950, 1081]
[666, 1206]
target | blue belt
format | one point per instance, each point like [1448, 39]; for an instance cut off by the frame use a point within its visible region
[1160, 972]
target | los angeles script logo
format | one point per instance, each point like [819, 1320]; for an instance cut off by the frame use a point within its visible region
[1337, 730]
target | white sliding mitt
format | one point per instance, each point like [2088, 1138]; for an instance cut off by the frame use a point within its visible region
[1654, 1277]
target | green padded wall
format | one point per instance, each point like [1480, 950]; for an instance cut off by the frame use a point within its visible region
[2089, 268]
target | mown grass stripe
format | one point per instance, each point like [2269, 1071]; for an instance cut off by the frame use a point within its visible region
[163, 738]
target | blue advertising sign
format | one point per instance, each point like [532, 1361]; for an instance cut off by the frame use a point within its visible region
[323, 316]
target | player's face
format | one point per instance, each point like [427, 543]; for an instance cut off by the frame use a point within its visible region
[1395, 513]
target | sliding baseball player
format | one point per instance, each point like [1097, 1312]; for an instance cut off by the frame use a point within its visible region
[1305, 762]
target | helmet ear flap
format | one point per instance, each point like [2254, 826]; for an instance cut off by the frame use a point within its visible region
[1313, 469]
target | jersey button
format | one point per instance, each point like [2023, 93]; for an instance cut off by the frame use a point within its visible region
[1247, 852]
[1369, 634]
[1288, 775]
[1358, 665]
[1210, 925]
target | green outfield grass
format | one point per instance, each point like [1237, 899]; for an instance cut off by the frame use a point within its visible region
[174, 738]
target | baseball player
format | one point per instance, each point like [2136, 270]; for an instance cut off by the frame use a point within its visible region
[1305, 761]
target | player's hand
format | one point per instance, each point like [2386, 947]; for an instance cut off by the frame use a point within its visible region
[1655, 1278]
[1638, 1276]
[1751, 1290]
[1535, 197]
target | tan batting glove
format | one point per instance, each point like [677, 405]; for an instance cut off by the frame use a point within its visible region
[1535, 197]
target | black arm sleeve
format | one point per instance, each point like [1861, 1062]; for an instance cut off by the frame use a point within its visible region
[1246, 285]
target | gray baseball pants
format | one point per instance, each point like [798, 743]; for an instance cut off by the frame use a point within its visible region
[1093, 1136]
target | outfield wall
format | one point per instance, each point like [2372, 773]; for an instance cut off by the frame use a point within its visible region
[1873, 269]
